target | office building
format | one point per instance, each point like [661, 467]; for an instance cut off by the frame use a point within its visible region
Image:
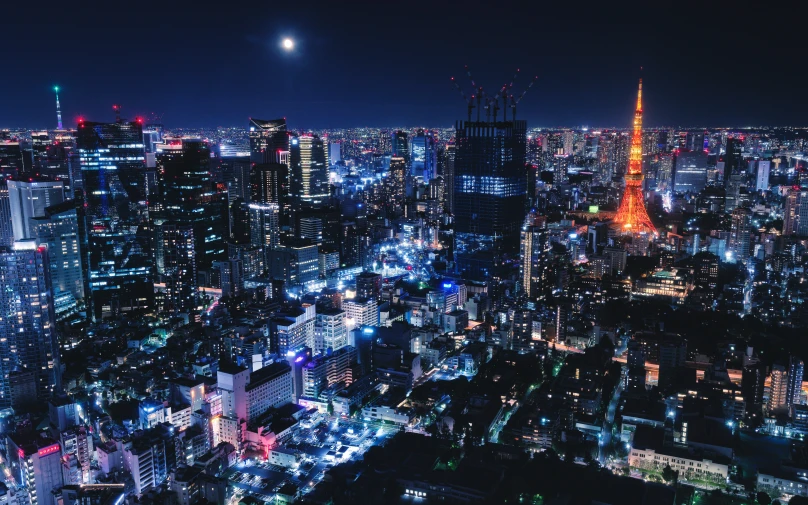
[117, 261]
[360, 312]
[269, 184]
[396, 183]
[423, 161]
[400, 146]
[175, 260]
[690, 175]
[368, 285]
[308, 183]
[293, 329]
[28, 340]
[330, 331]
[59, 228]
[28, 200]
[269, 141]
[325, 371]
[231, 381]
[732, 159]
[297, 264]
[6, 228]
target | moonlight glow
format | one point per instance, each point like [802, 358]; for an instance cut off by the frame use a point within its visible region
[288, 44]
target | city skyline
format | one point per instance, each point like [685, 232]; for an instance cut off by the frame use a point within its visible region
[347, 69]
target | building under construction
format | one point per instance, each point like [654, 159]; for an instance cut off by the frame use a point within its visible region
[490, 184]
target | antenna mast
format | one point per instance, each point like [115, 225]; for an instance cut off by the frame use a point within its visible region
[58, 110]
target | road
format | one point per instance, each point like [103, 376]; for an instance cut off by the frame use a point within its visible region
[608, 421]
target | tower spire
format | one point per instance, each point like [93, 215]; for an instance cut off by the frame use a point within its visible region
[58, 109]
[632, 217]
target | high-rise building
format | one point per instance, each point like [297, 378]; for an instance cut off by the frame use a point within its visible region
[6, 228]
[308, 171]
[397, 183]
[763, 170]
[796, 367]
[269, 183]
[534, 270]
[118, 261]
[28, 200]
[795, 212]
[11, 159]
[28, 341]
[175, 260]
[422, 155]
[740, 235]
[269, 141]
[36, 463]
[368, 285]
[400, 146]
[732, 159]
[360, 312]
[778, 395]
[672, 356]
[188, 196]
[330, 332]
[59, 229]
[448, 176]
[690, 173]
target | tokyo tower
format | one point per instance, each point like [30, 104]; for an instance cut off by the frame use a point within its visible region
[632, 217]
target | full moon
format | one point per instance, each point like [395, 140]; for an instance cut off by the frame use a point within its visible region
[288, 44]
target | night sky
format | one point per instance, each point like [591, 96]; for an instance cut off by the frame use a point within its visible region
[389, 63]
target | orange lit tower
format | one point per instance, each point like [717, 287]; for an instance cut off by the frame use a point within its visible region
[631, 216]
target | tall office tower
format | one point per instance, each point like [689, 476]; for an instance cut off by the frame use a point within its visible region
[535, 266]
[28, 199]
[187, 195]
[795, 373]
[6, 228]
[490, 192]
[269, 183]
[59, 229]
[732, 159]
[690, 171]
[763, 170]
[117, 262]
[399, 146]
[740, 235]
[334, 153]
[28, 341]
[269, 141]
[397, 184]
[237, 174]
[635, 362]
[449, 177]
[264, 227]
[308, 171]
[778, 395]
[795, 212]
[632, 217]
[175, 259]
[39, 148]
[422, 155]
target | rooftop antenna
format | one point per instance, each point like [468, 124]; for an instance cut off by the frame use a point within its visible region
[58, 110]
[117, 109]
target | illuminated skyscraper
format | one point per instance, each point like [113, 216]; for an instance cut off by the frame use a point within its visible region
[732, 159]
[740, 235]
[28, 341]
[400, 145]
[691, 171]
[535, 261]
[118, 260]
[59, 229]
[6, 229]
[795, 212]
[422, 155]
[309, 173]
[795, 373]
[632, 217]
[269, 141]
[28, 199]
[175, 259]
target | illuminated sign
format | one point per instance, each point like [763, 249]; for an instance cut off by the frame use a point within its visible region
[594, 209]
[367, 331]
[48, 450]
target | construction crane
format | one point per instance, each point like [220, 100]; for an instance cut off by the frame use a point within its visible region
[469, 101]
[515, 102]
[480, 93]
